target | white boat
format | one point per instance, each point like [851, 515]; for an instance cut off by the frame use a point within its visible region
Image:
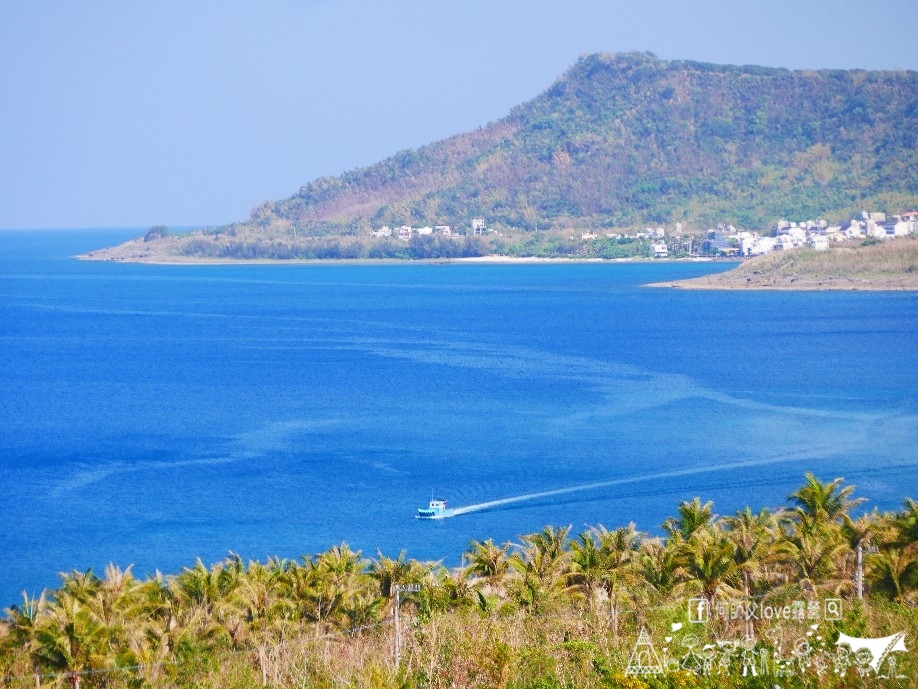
[436, 510]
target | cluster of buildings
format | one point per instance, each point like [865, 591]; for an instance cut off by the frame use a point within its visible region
[816, 234]
[405, 232]
[785, 235]
[655, 235]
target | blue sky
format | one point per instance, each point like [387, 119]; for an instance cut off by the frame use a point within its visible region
[192, 112]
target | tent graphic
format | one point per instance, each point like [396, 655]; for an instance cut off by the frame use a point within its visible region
[644, 659]
[879, 648]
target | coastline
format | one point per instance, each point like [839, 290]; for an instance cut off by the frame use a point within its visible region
[798, 285]
[726, 281]
[749, 275]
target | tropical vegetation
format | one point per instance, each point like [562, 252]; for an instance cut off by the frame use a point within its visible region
[556, 609]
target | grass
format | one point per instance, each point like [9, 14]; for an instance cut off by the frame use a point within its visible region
[884, 258]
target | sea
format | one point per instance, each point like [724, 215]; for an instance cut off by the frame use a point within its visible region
[151, 415]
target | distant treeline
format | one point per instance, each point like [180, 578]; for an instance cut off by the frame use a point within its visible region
[537, 244]
[320, 248]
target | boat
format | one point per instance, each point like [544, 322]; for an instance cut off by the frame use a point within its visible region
[436, 509]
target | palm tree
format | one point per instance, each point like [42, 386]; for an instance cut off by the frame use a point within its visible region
[315, 595]
[205, 595]
[541, 563]
[82, 586]
[207, 588]
[586, 564]
[811, 550]
[344, 567]
[895, 573]
[708, 557]
[447, 589]
[824, 502]
[619, 546]
[361, 609]
[255, 608]
[389, 572]
[753, 537]
[858, 535]
[617, 553]
[178, 630]
[692, 517]
[659, 565]
[69, 640]
[155, 632]
[906, 523]
[489, 562]
[323, 583]
[260, 600]
[22, 625]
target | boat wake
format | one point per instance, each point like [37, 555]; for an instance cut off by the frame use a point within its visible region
[491, 504]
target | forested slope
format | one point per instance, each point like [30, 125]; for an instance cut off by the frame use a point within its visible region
[623, 141]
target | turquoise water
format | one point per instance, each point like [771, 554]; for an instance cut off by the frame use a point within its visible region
[155, 414]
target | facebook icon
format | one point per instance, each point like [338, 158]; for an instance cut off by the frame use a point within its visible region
[698, 610]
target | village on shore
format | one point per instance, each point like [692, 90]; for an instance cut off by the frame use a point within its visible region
[724, 240]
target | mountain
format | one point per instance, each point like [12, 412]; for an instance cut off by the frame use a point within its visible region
[618, 141]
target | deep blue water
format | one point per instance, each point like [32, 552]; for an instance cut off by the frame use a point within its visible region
[156, 414]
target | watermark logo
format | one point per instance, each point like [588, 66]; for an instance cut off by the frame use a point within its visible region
[701, 611]
[833, 609]
[792, 645]
[698, 610]
[644, 659]
[878, 648]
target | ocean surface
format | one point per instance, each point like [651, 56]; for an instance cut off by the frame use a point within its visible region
[152, 415]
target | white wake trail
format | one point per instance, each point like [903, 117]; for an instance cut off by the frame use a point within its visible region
[466, 509]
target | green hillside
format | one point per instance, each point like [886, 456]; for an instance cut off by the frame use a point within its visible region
[620, 141]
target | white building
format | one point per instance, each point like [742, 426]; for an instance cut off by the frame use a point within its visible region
[763, 245]
[785, 243]
[897, 229]
[853, 230]
[747, 244]
[819, 242]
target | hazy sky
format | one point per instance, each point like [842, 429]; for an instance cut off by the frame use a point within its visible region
[192, 112]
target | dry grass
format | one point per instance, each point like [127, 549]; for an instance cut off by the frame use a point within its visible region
[894, 257]
[884, 265]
